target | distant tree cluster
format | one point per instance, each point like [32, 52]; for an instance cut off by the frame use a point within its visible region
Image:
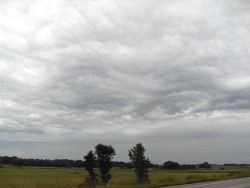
[205, 165]
[170, 165]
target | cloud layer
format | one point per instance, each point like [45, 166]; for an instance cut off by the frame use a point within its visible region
[172, 74]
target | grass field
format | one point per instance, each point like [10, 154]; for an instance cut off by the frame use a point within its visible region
[70, 178]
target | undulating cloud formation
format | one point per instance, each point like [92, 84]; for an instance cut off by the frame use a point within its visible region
[173, 75]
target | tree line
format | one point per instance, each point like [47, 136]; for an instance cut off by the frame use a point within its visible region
[5, 160]
[66, 163]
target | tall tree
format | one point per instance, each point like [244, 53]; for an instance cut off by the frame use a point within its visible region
[104, 154]
[90, 162]
[140, 162]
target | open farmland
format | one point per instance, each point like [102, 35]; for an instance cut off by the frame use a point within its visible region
[122, 178]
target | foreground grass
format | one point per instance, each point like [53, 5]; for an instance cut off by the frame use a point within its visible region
[70, 178]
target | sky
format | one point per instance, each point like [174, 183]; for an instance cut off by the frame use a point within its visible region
[173, 75]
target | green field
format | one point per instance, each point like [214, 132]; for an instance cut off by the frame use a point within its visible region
[25, 177]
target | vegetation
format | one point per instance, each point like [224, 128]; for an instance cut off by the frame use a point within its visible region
[140, 162]
[170, 165]
[16, 161]
[205, 165]
[90, 163]
[5, 160]
[30, 177]
[13, 174]
[104, 157]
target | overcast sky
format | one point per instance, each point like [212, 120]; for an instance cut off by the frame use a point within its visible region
[172, 74]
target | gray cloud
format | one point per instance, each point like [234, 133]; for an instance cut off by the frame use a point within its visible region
[168, 73]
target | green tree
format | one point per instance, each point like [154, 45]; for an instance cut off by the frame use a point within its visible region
[140, 163]
[104, 154]
[90, 162]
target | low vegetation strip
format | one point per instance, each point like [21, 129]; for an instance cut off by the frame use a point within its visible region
[28, 177]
